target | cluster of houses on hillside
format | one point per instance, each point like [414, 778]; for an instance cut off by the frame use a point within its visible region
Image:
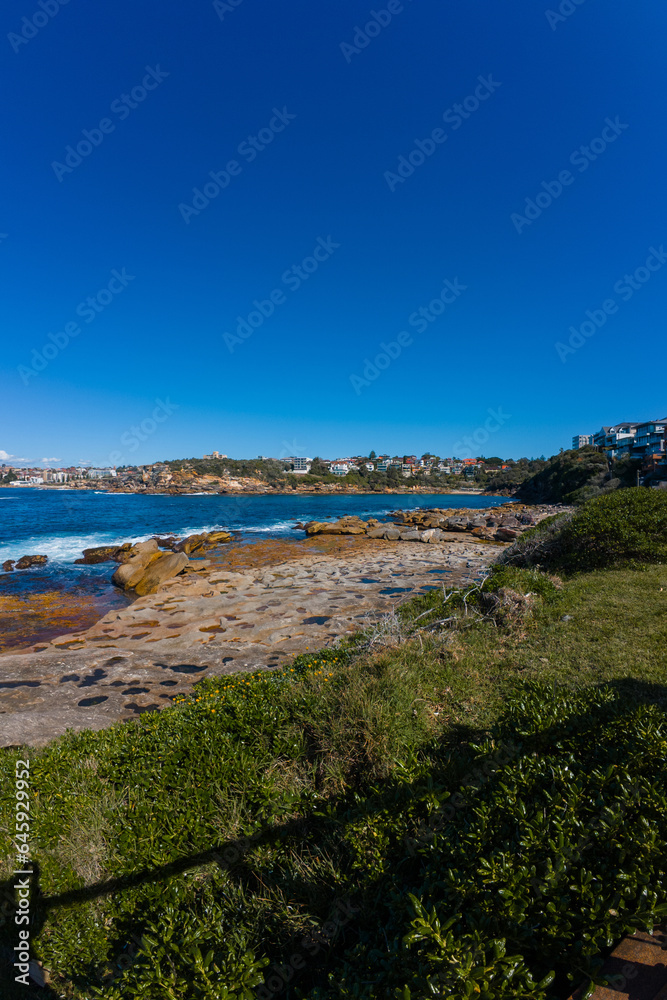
[38, 476]
[406, 465]
[646, 441]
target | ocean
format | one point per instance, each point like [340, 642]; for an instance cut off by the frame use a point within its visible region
[61, 523]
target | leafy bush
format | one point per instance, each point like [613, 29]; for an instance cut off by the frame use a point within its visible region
[573, 477]
[527, 868]
[624, 528]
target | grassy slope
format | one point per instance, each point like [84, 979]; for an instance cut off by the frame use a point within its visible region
[308, 756]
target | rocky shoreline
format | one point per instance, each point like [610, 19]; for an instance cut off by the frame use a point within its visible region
[258, 488]
[242, 608]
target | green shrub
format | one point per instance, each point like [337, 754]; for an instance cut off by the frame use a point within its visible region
[572, 477]
[548, 849]
[624, 528]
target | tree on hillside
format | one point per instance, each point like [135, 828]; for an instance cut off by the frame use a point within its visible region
[318, 468]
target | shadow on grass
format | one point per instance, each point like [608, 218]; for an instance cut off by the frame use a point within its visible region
[453, 764]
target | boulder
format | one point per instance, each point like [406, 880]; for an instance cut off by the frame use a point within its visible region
[457, 523]
[100, 554]
[131, 570]
[189, 544]
[218, 537]
[506, 534]
[391, 534]
[8, 566]
[125, 552]
[344, 526]
[167, 565]
[485, 533]
[410, 535]
[431, 535]
[166, 543]
[122, 553]
[25, 562]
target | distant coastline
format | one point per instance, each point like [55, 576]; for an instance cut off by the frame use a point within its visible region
[327, 488]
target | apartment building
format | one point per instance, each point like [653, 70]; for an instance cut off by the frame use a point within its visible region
[630, 439]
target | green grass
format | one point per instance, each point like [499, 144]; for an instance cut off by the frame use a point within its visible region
[329, 765]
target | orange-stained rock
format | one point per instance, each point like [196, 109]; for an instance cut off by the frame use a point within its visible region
[163, 568]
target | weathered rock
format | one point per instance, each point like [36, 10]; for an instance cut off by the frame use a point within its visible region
[218, 537]
[123, 553]
[506, 534]
[189, 544]
[197, 565]
[8, 566]
[486, 533]
[410, 535]
[457, 523]
[391, 534]
[344, 526]
[131, 571]
[100, 554]
[431, 535]
[163, 568]
[25, 562]
[166, 543]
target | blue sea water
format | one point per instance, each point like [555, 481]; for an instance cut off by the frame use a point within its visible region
[61, 523]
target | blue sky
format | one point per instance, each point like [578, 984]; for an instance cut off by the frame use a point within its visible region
[170, 94]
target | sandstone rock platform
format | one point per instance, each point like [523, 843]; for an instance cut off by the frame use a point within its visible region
[227, 614]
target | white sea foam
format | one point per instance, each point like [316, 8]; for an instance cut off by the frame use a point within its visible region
[64, 548]
[275, 526]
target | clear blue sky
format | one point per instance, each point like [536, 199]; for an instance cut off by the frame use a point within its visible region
[338, 121]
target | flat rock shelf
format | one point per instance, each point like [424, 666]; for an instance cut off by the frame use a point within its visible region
[213, 622]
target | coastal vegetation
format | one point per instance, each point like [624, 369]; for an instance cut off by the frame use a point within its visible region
[578, 475]
[467, 798]
[268, 469]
